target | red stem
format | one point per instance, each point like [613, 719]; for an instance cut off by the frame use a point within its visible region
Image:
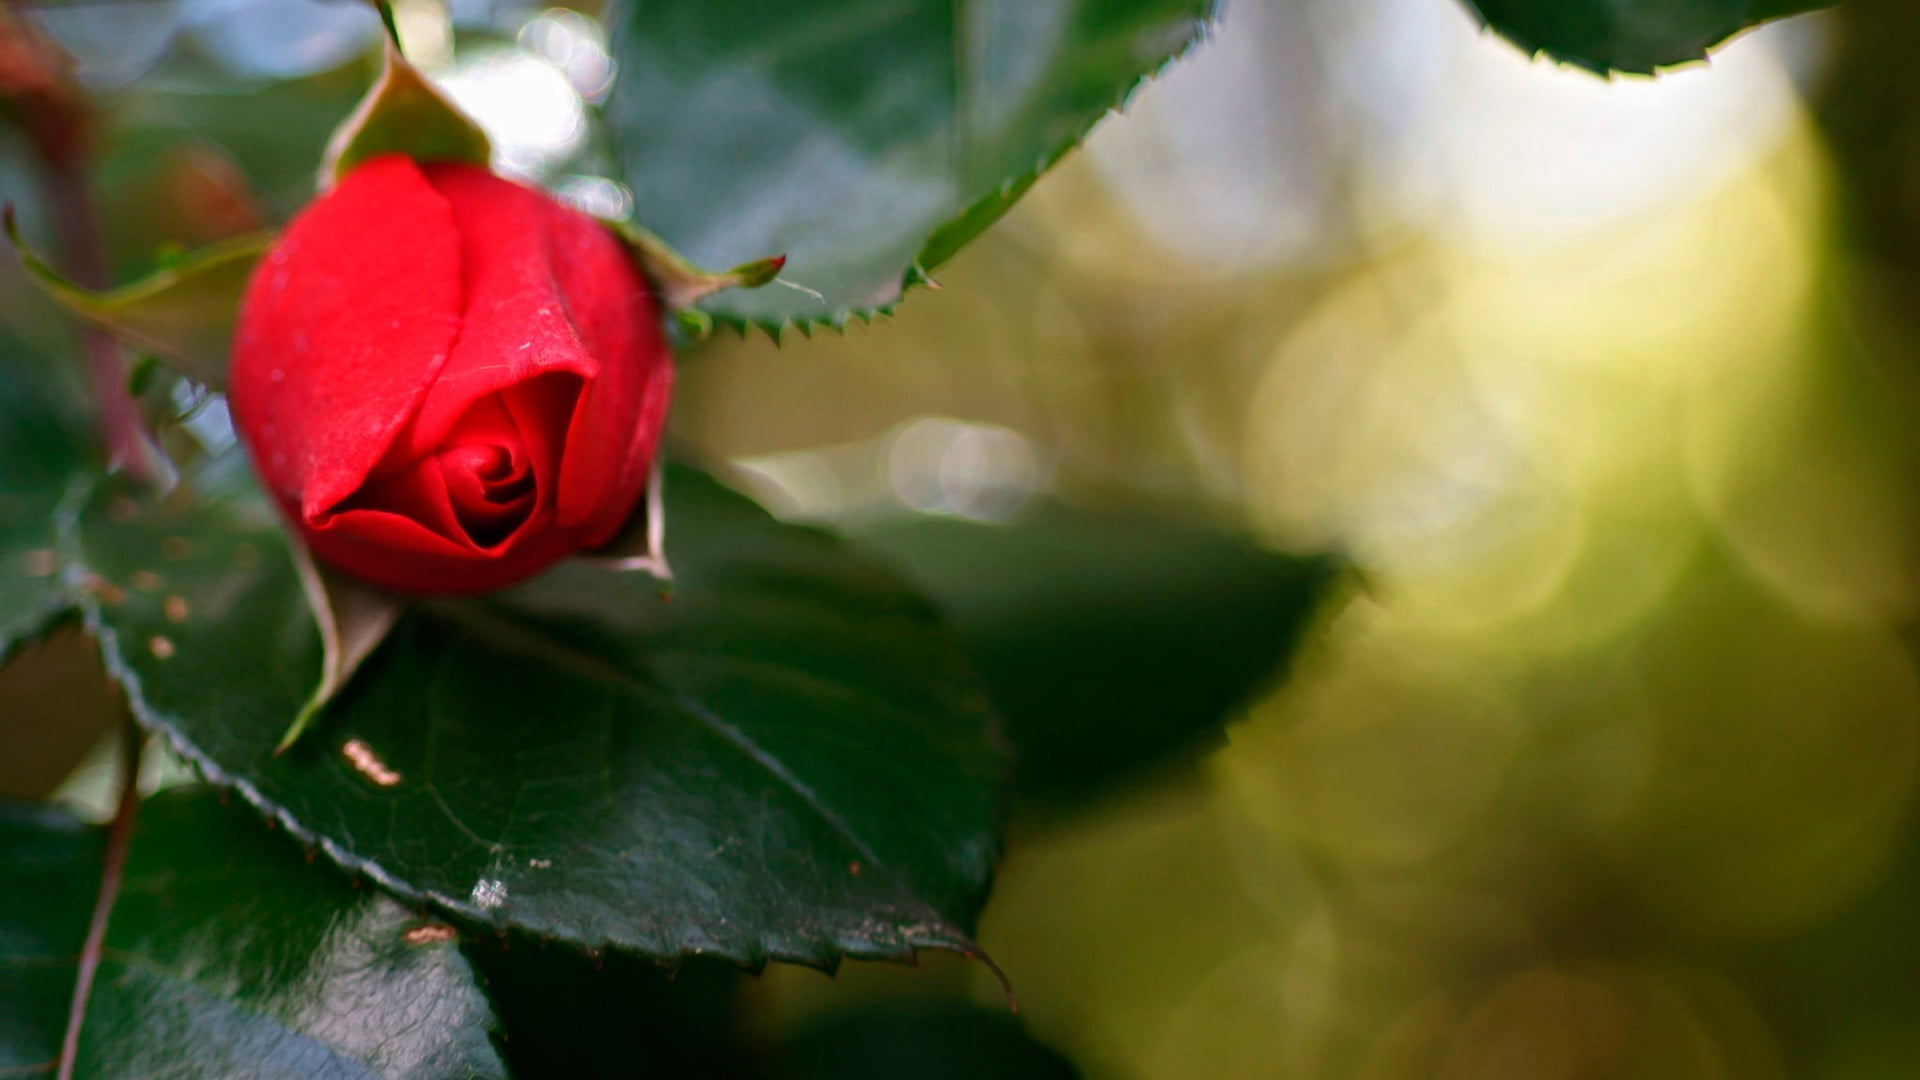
[119, 841]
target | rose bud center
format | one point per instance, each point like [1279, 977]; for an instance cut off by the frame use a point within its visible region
[489, 482]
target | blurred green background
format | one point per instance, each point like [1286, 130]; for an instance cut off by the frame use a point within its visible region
[1602, 760]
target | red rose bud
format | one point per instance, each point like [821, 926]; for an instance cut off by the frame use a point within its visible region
[448, 380]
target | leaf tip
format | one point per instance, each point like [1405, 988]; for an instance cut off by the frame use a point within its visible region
[302, 720]
[757, 273]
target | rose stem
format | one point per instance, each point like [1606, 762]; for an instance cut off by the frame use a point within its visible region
[119, 840]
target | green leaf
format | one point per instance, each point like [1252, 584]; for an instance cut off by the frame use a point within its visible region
[403, 114]
[42, 456]
[940, 1041]
[1637, 36]
[227, 955]
[184, 311]
[1110, 642]
[786, 759]
[868, 142]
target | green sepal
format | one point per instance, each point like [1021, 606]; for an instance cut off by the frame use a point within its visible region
[681, 283]
[353, 618]
[642, 546]
[403, 113]
[690, 327]
[184, 311]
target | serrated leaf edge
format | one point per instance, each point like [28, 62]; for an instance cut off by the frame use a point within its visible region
[917, 273]
[1685, 56]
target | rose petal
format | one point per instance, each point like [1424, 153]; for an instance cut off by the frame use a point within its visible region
[488, 479]
[478, 490]
[398, 553]
[338, 342]
[417, 494]
[618, 318]
[533, 405]
[515, 325]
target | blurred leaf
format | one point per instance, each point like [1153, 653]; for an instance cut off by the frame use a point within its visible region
[269, 129]
[227, 955]
[56, 703]
[185, 310]
[403, 114]
[41, 455]
[1629, 35]
[38, 93]
[866, 142]
[940, 1042]
[788, 759]
[1109, 642]
[614, 1017]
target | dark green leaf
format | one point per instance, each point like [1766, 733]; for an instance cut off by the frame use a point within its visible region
[227, 955]
[946, 1041]
[41, 457]
[1629, 35]
[1109, 642]
[868, 142]
[787, 760]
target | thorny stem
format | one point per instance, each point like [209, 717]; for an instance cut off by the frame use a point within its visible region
[119, 840]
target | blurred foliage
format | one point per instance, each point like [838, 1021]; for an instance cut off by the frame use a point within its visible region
[57, 675]
[1111, 643]
[610, 1017]
[941, 1042]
